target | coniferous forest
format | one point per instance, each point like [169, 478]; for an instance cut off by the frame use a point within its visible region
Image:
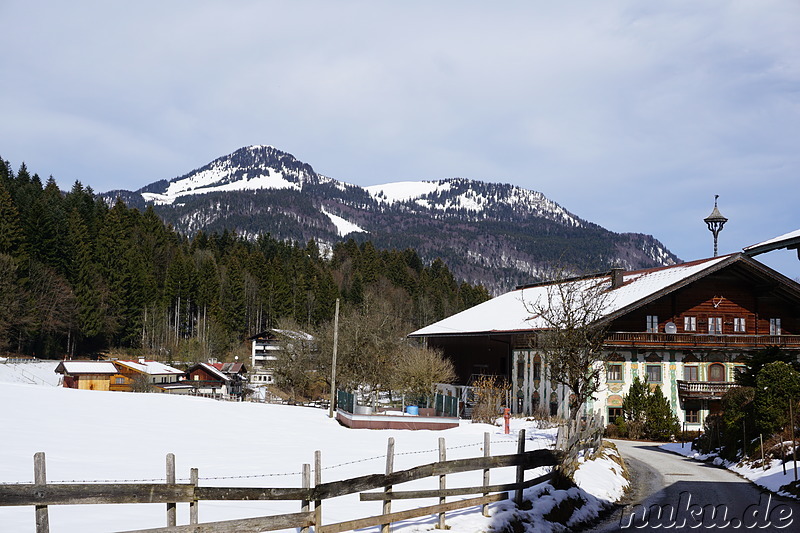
[79, 277]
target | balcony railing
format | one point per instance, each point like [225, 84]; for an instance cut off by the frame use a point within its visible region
[708, 390]
[621, 338]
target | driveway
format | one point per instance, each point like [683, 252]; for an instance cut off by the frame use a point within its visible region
[676, 493]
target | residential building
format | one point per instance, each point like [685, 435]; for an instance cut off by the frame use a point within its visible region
[685, 328]
[87, 375]
[133, 375]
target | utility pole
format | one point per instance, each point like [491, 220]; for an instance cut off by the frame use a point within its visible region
[333, 363]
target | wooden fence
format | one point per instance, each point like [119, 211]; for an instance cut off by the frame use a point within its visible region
[311, 496]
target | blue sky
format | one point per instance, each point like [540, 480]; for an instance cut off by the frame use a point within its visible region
[630, 114]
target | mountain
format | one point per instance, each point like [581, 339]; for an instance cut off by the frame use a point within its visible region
[500, 235]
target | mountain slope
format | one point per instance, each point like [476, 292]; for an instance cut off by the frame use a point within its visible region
[497, 234]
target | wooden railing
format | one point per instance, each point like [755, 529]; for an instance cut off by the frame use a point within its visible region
[42, 494]
[621, 338]
[703, 389]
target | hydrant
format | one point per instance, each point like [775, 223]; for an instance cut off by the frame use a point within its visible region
[507, 417]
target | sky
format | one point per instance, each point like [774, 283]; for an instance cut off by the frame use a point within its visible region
[630, 114]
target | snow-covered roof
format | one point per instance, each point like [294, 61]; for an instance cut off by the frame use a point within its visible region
[512, 311]
[86, 367]
[153, 368]
[214, 371]
[791, 239]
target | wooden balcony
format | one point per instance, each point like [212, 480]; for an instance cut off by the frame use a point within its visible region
[696, 340]
[703, 390]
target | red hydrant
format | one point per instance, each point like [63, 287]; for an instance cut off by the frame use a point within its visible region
[507, 417]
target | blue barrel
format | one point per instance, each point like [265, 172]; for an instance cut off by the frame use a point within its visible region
[412, 410]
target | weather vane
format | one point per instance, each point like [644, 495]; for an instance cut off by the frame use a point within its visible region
[715, 221]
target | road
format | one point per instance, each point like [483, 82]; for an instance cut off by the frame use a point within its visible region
[680, 494]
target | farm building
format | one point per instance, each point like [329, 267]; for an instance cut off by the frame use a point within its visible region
[685, 328]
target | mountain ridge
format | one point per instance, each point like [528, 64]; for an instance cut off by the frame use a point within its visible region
[497, 234]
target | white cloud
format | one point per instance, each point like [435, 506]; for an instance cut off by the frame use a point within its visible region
[630, 114]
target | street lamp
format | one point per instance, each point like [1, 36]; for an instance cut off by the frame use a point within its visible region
[715, 221]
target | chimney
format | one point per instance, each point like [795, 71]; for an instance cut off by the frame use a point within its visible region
[617, 276]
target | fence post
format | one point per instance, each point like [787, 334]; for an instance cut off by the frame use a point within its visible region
[387, 504]
[305, 504]
[194, 479]
[172, 515]
[486, 453]
[40, 478]
[317, 483]
[520, 468]
[442, 481]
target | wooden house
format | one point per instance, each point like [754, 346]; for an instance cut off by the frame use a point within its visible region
[686, 328]
[207, 379]
[87, 375]
[237, 377]
[143, 373]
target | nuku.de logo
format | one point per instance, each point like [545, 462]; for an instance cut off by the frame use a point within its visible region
[691, 515]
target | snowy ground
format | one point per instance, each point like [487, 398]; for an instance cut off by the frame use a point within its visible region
[772, 478]
[104, 436]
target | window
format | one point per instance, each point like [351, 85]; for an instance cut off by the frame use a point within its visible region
[614, 372]
[653, 373]
[692, 416]
[652, 324]
[537, 370]
[774, 326]
[613, 414]
[716, 372]
[738, 325]
[120, 381]
[690, 373]
[715, 325]
[690, 323]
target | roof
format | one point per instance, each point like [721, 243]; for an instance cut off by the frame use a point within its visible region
[210, 369]
[86, 367]
[787, 240]
[274, 333]
[230, 368]
[512, 312]
[152, 368]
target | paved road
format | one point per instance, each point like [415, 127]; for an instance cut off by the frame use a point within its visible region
[693, 496]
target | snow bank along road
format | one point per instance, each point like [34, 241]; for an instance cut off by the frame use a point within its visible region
[671, 492]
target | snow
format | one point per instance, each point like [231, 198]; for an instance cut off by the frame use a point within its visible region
[773, 479]
[343, 227]
[238, 444]
[209, 180]
[775, 242]
[402, 191]
[512, 311]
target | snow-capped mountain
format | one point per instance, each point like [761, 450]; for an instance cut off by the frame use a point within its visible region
[496, 234]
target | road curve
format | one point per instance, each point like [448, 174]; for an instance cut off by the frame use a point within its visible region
[671, 492]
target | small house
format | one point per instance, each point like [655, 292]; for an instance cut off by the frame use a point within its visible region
[87, 375]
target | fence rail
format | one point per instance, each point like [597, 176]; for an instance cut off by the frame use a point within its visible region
[42, 494]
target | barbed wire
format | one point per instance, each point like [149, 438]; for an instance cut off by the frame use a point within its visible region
[265, 475]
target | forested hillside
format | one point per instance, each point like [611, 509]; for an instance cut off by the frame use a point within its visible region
[78, 277]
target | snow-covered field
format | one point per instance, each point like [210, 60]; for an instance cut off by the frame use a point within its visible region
[124, 437]
[772, 478]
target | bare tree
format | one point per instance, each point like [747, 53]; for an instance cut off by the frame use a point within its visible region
[570, 336]
[418, 369]
[297, 365]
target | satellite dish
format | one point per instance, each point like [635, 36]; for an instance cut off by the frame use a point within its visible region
[670, 327]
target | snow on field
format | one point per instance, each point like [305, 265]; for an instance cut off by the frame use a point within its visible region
[771, 479]
[122, 437]
[343, 227]
[38, 373]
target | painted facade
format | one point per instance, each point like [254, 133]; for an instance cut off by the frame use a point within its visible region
[686, 328]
